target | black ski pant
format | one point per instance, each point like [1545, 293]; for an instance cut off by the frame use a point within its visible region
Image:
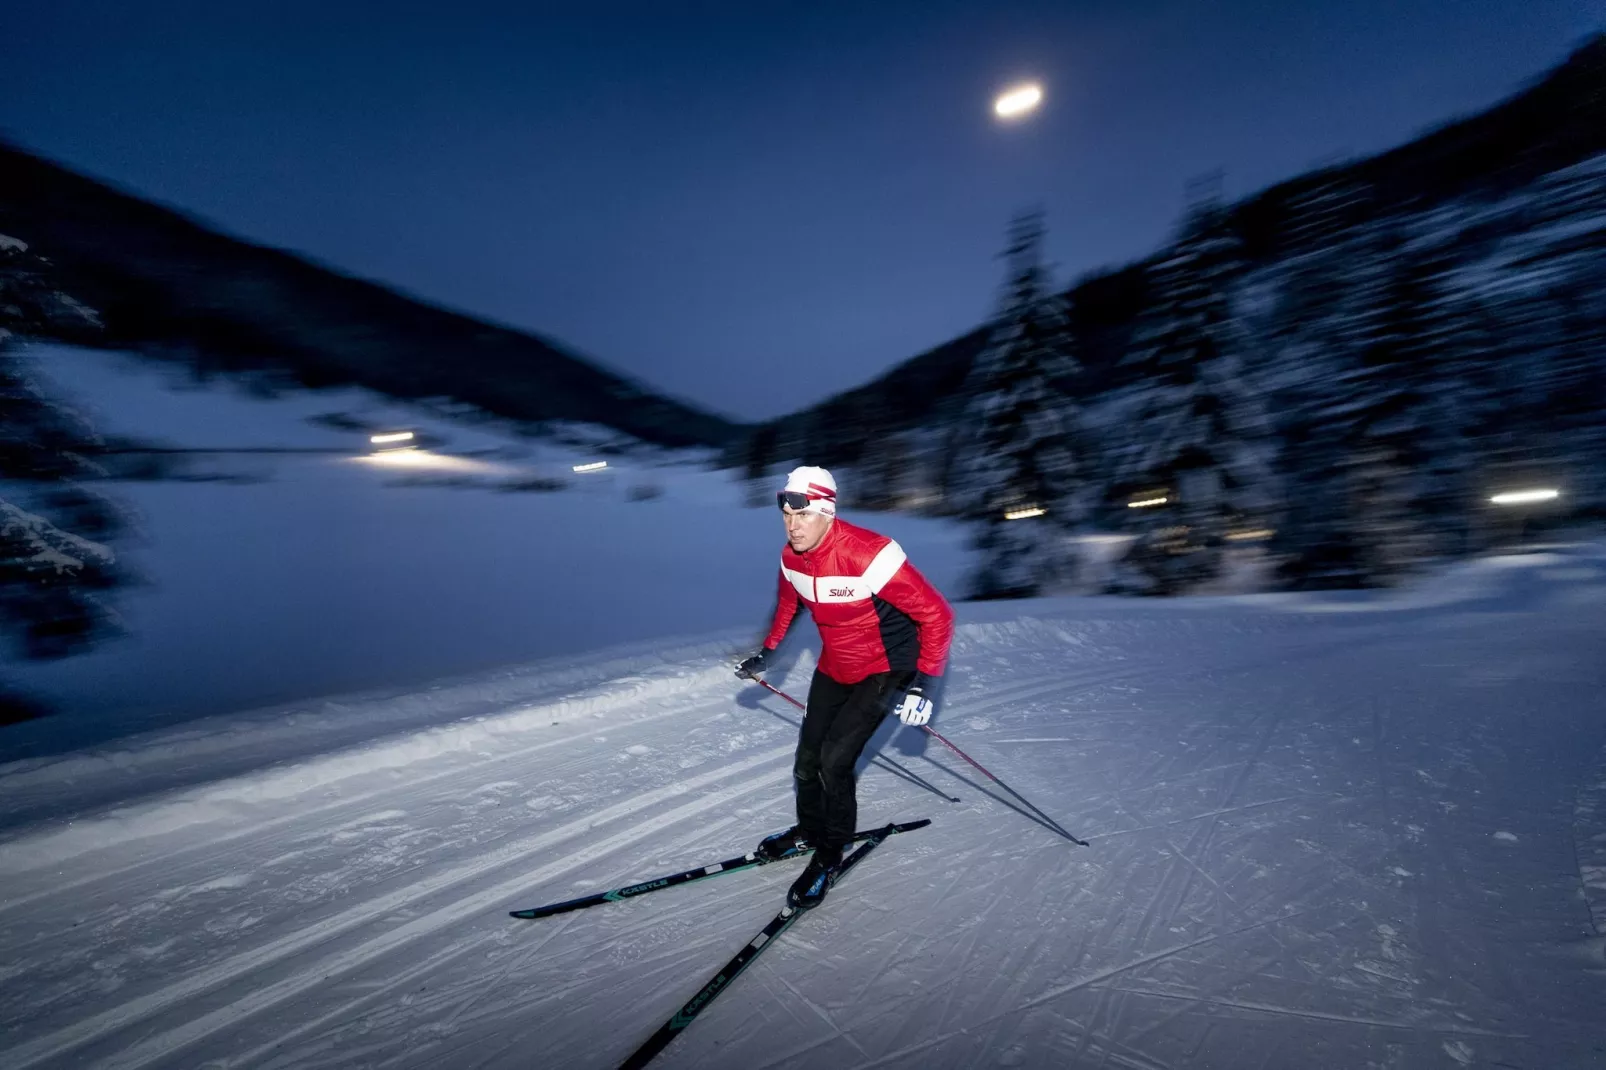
[839, 721]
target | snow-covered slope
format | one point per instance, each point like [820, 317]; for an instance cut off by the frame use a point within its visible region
[334, 574]
[1342, 839]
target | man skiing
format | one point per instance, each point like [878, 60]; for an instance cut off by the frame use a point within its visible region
[884, 634]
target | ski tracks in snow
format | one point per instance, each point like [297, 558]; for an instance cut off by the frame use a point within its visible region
[429, 901]
[1313, 838]
[366, 868]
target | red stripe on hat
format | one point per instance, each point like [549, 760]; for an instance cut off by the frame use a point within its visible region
[824, 492]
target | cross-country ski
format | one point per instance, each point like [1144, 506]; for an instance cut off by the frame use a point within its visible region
[744, 958]
[750, 860]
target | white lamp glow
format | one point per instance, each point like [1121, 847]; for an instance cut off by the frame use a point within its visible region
[1524, 497]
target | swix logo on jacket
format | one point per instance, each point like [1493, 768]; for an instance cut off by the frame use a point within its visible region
[875, 611]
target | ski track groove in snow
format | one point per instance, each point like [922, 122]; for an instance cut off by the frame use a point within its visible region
[423, 968]
[241, 851]
[152, 1048]
[194, 844]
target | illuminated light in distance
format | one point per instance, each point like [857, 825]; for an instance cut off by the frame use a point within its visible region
[1142, 503]
[1252, 535]
[391, 437]
[413, 458]
[1018, 102]
[594, 466]
[417, 458]
[1523, 497]
[1022, 514]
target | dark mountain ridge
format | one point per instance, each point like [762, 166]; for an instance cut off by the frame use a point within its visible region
[1556, 123]
[172, 289]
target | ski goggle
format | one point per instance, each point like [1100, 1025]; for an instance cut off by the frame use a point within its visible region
[796, 499]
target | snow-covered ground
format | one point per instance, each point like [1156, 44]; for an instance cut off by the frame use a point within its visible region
[1356, 833]
[1339, 831]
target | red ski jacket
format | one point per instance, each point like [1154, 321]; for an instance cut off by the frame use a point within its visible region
[875, 611]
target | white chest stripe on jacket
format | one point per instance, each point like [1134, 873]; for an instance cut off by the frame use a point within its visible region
[850, 588]
[801, 580]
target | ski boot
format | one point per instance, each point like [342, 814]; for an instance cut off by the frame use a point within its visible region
[782, 845]
[807, 891]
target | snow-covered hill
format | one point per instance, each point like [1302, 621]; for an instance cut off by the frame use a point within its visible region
[335, 574]
[1347, 832]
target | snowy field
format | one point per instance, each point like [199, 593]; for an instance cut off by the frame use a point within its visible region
[1335, 833]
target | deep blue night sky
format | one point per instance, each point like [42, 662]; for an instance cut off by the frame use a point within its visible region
[749, 205]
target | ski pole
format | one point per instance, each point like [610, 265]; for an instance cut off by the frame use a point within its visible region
[880, 760]
[1055, 825]
[926, 728]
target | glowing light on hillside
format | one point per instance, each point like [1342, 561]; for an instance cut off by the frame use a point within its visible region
[391, 438]
[1018, 102]
[405, 459]
[1525, 497]
[1023, 514]
[1251, 535]
[594, 466]
[423, 459]
[1144, 503]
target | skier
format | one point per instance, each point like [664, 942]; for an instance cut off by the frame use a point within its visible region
[884, 634]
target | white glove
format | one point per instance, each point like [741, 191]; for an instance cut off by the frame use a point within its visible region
[915, 709]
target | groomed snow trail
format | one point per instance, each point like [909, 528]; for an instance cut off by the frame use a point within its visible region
[1323, 833]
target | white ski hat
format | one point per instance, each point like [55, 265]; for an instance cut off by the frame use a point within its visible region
[816, 485]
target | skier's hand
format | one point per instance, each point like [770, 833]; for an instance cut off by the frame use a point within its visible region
[914, 708]
[749, 669]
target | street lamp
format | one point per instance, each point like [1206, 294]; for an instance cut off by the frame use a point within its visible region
[1525, 496]
[393, 440]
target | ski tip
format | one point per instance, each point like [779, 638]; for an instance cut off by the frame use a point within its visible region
[909, 826]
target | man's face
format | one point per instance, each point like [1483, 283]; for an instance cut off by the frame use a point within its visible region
[804, 530]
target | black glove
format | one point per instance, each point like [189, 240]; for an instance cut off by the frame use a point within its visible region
[917, 683]
[749, 669]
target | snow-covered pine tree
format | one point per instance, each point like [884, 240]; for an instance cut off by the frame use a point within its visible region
[1198, 437]
[1017, 448]
[1397, 426]
[1575, 365]
[882, 472]
[1316, 293]
[54, 562]
[758, 455]
[1316, 247]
